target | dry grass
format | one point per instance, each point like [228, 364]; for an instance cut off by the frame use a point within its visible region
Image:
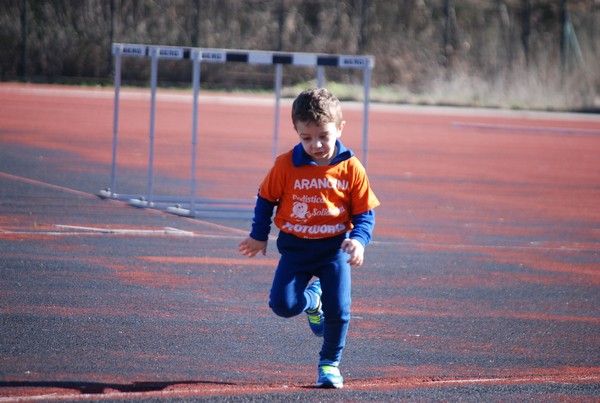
[522, 89]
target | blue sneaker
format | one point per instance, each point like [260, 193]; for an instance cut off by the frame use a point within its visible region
[316, 320]
[329, 377]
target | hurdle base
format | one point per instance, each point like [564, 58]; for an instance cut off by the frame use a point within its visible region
[180, 211]
[140, 203]
[201, 208]
[106, 193]
[207, 211]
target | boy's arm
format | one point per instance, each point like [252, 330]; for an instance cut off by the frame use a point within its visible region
[261, 226]
[363, 227]
[360, 236]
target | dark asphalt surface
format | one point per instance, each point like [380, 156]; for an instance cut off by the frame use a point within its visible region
[102, 300]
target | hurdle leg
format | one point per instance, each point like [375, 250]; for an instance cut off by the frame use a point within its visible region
[320, 76]
[196, 85]
[278, 79]
[148, 200]
[367, 90]
[111, 192]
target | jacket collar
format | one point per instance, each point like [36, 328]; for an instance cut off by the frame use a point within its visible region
[300, 157]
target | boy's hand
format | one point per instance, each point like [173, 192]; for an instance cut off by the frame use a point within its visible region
[250, 247]
[356, 251]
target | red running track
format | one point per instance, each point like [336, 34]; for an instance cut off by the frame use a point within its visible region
[482, 282]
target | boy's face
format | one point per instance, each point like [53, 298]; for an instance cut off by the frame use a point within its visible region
[319, 140]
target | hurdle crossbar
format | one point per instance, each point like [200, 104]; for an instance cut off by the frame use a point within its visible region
[240, 209]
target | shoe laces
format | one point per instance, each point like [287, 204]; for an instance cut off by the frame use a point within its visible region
[330, 370]
[315, 312]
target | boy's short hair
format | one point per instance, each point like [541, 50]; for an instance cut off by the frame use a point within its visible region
[317, 105]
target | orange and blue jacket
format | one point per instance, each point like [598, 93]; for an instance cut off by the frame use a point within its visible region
[316, 201]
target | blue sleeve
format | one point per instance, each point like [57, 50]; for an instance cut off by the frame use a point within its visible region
[261, 224]
[363, 227]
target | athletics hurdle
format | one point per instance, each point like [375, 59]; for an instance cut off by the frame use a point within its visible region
[212, 207]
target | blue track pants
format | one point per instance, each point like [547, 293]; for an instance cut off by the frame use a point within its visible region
[301, 259]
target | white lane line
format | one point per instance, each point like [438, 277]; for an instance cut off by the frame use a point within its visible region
[249, 390]
[533, 379]
[129, 231]
[527, 129]
[74, 230]
[532, 246]
[47, 185]
[95, 197]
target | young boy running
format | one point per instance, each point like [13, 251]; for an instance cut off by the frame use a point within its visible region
[325, 217]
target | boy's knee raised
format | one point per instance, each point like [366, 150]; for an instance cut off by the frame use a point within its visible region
[283, 309]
